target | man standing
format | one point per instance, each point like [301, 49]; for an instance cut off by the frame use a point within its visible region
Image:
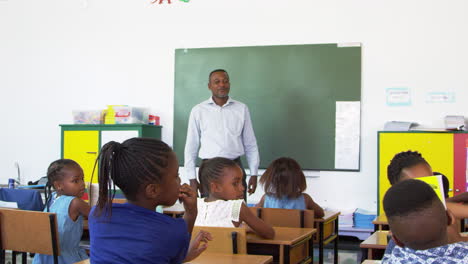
[221, 127]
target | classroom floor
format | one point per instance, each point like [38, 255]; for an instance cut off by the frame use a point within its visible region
[348, 252]
[18, 258]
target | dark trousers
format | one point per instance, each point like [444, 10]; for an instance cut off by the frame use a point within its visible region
[204, 193]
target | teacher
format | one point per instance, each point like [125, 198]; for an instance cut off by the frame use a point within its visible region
[221, 127]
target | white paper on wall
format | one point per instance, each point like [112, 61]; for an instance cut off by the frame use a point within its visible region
[347, 135]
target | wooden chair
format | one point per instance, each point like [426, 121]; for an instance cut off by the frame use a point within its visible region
[28, 231]
[229, 240]
[286, 217]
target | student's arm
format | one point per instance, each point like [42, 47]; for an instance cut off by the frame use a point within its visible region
[78, 207]
[258, 226]
[461, 198]
[189, 199]
[460, 211]
[262, 201]
[311, 205]
[192, 145]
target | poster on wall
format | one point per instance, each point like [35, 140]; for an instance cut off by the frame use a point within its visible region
[440, 97]
[347, 131]
[400, 96]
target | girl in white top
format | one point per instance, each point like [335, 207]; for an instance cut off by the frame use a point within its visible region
[224, 206]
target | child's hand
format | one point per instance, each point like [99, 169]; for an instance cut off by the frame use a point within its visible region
[189, 198]
[198, 245]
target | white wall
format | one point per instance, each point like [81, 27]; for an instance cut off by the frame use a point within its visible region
[57, 56]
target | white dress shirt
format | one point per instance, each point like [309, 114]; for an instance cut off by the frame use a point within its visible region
[220, 131]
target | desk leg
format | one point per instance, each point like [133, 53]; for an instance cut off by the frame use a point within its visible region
[281, 254]
[369, 253]
[335, 257]
[321, 242]
[286, 254]
[311, 249]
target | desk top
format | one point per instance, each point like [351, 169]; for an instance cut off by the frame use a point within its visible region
[329, 215]
[378, 240]
[215, 258]
[380, 220]
[283, 236]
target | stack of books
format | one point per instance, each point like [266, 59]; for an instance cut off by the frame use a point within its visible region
[363, 218]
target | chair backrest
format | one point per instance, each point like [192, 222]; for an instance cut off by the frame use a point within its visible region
[229, 240]
[255, 210]
[29, 231]
[287, 217]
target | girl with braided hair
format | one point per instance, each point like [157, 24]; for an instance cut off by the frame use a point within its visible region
[224, 205]
[146, 170]
[66, 177]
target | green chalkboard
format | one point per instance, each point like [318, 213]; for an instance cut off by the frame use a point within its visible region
[291, 92]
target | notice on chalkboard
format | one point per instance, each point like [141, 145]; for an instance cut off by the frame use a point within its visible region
[347, 131]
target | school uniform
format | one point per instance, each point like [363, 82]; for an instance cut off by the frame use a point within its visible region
[133, 234]
[447, 254]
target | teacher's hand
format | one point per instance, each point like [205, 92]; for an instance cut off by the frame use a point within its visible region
[252, 186]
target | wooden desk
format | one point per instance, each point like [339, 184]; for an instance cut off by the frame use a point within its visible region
[327, 227]
[380, 222]
[376, 242]
[216, 258]
[290, 245]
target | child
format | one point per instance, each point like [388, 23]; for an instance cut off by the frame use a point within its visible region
[66, 176]
[419, 222]
[224, 206]
[407, 165]
[146, 170]
[284, 184]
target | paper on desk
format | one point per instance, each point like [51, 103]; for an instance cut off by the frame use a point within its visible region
[5, 204]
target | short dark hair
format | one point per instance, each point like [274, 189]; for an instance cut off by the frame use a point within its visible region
[130, 165]
[415, 214]
[211, 170]
[284, 177]
[217, 70]
[401, 161]
[407, 197]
